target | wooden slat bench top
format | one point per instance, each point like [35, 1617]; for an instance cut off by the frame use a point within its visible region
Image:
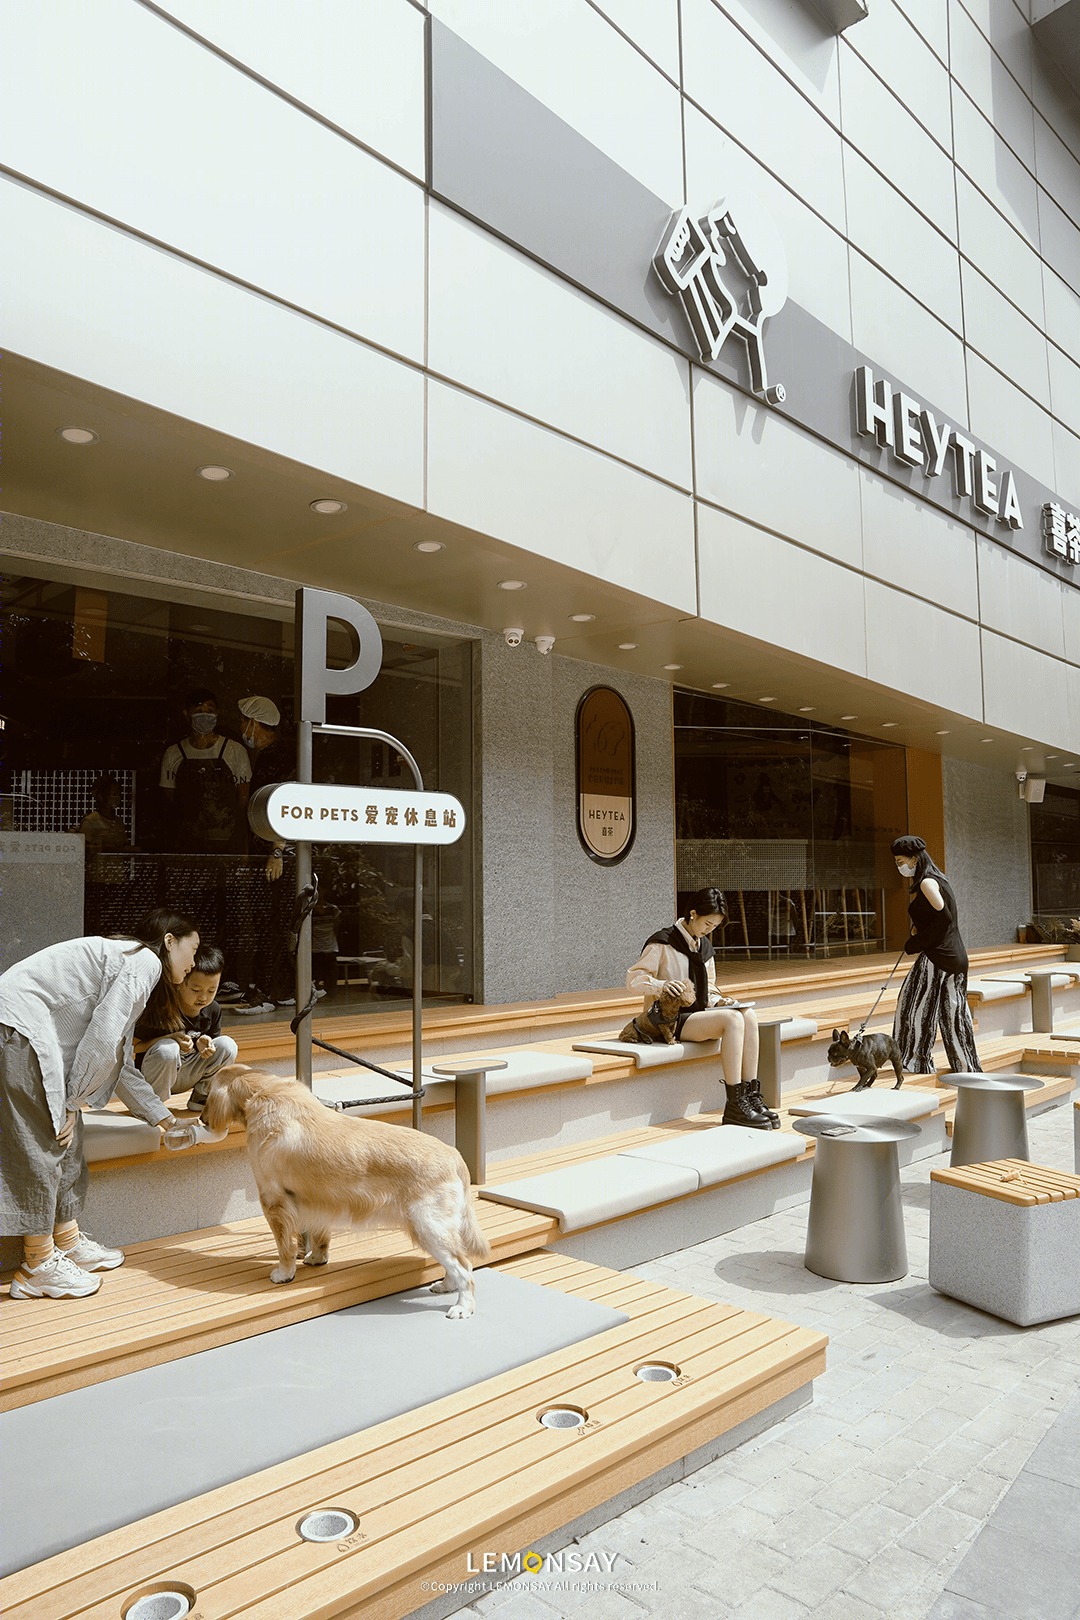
[468, 1474]
[1013, 1181]
[178, 1295]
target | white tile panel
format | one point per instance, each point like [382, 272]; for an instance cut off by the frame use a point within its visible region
[1009, 32]
[196, 154]
[1020, 600]
[192, 343]
[1027, 691]
[1066, 465]
[1060, 240]
[907, 541]
[931, 19]
[493, 471]
[359, 66]
[878, 126]
[1007, 419]
[794, 39]
[1003, 336]
[1062, 312]
[980, 72]
[571, 59]
[901, 241]
[888, 43]
[904, 338]
[767, 588]
[994, 167]
[500, 324]
[816, 254]
[728, 76]
[1070, 606]
[1065, 388]
[1000, 252]
[919, 649]
[653, 25]
[754, 463]
[1057, 100]
[1057, 170]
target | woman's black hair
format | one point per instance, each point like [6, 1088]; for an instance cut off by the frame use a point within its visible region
[102, 789]
[707, 903]
[209, 959]
[200, 694]
[913, 846]
[163, 1007]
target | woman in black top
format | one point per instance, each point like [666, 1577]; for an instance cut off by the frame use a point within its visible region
[934, 994]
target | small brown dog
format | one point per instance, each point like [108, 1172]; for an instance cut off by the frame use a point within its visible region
[658, 1024]
[315, 1169]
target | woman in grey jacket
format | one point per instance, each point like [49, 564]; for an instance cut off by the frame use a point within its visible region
[67, 1014]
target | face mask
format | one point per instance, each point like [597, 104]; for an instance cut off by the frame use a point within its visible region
[907, 871]
[248, 738]
[203, 724]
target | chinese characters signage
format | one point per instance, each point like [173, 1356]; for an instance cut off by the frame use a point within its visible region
[320, 812]
[605, 775]
[1061, 532]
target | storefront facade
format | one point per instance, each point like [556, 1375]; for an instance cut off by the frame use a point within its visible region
[725, 358]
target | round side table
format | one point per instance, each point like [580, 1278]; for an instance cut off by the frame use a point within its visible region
[855, 1231]
[991, 1120]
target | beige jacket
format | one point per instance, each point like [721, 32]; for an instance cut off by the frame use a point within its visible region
[659, 963]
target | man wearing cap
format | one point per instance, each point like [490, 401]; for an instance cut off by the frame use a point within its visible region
[261, 717]
[260, 956]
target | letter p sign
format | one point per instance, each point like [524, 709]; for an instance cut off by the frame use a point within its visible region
[314, 680]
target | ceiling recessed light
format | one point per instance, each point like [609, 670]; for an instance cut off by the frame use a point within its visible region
[1027, 748]
[807, 708]
[512, 584]
[720, 686]
[1050, 756]
[1070, 764]
[885, 724]
[941, 733]
[328, 507]
[582, 618]
[987, 739]
[429, 545]
[214, 475]
[849, 717]
[766, 700]
[673, 666]
[78, 435]
[201, 628]
[627, 646]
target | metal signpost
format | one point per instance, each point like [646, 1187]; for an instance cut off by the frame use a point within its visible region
[305, 811]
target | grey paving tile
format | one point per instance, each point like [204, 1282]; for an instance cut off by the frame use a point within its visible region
[795, 1533]
[870, 1531]
[887, 1577]
[852, 1490]
[817, 1574]
[935, 1535]
[950, 1606]
[772, 1605]
[977, 1494]
[1041, 1511]
[843, 1606]
[1001, 1572]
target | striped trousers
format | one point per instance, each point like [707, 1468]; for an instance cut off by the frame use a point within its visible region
[932, 999]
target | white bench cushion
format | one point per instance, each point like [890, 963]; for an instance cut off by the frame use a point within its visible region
[722, 1153]
[649, 1057]
[911, 1104]
[796, 1029]
[523, 1069]
[360, 1083]
[599, 1190]
[996, 989]
[1023, 977]
[116, 1136]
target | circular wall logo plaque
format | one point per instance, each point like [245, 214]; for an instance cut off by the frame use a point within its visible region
[605, 775]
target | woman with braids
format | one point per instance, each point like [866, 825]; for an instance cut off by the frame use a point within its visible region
[934, 994]
[680, 958]
[67, 1014]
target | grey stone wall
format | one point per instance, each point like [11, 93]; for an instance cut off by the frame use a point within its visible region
[554, 920]
[987, 851]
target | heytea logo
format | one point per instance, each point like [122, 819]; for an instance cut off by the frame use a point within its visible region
[729, 269]
[916, 438]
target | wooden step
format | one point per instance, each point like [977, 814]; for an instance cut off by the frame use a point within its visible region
[469, 1474]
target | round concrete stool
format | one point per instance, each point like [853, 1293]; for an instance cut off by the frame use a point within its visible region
[991, 1120]
[855, 1232]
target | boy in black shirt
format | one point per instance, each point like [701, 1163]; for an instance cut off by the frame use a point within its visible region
[173, 1061]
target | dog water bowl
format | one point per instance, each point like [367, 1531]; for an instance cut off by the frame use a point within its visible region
[562, 1417]
[165, 1603]
[327, 1524]
[656, 1372]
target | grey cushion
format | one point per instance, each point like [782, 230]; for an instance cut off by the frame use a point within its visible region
[723, 1153]
[523, 1070]
[94, 1459]
[650, 1057]
[116, 1136]
[598, 1190]
[889, 1104]
[995, 989]
[359, 1083]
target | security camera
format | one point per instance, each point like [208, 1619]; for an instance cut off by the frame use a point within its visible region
[1021, 777]
[544, 644]
[513, 637]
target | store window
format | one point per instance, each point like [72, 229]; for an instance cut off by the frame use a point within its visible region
[109, 697]
[793, 821]
[1055, 855]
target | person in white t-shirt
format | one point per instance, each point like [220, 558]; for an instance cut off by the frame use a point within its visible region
[206, 780]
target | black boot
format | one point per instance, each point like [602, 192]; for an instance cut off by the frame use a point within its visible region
[753, 1092]
[738, 1110]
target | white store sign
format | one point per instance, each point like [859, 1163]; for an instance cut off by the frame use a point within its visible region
[321, 812]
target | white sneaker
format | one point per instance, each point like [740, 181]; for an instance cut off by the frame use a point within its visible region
[91, 1256]
[55, 1278]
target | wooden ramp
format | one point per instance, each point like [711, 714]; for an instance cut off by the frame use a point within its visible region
[178, 1295]
[471, 1474]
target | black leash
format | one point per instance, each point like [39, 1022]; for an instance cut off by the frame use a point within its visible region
[306, 902]
[880, 993]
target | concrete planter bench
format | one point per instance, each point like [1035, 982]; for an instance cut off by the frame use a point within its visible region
[774, 1029]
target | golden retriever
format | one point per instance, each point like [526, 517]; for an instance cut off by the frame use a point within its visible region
[315, 1169]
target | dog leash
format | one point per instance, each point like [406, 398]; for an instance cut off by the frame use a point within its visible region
[305, 904]
[881, 992]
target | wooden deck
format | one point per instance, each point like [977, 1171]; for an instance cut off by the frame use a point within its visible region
[178, 1295]
[473, 1473]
